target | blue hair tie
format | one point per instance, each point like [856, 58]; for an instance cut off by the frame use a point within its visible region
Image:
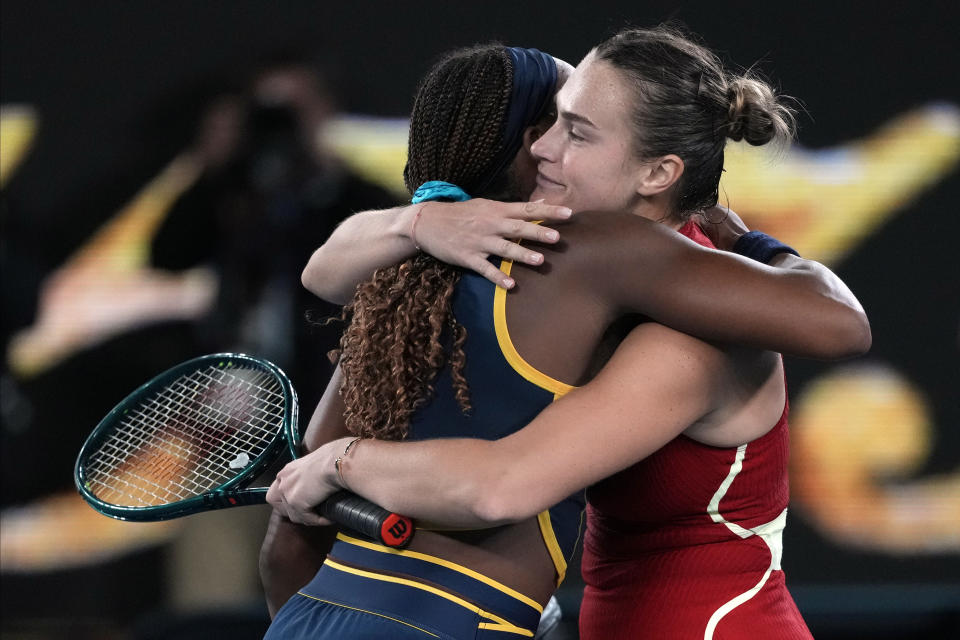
[439, 190]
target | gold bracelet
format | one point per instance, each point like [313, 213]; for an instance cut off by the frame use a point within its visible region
[336, 463]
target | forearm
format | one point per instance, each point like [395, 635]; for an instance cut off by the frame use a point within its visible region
[792, 306]
[463, 234]
[833, 324]
[648, 393]
[796, 311]
[363, 243]
[843, 329]
[446, 481]
[289, 558]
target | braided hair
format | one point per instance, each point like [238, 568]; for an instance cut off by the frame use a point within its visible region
[402, 326]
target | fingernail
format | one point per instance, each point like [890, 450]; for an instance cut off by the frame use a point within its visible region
[566, 213]
[534, 258]
[508, 283]
[552, 235]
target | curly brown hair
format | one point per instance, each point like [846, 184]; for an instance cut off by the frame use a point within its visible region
[402, 326]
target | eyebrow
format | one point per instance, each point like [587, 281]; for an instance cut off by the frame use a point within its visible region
[576, 117]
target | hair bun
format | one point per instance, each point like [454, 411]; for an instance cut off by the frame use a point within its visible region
[755, 114]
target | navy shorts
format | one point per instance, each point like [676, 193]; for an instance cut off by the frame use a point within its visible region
[366, 590]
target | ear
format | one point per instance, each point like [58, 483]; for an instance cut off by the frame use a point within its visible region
[530, 135]
[660, 174]
[533, 133]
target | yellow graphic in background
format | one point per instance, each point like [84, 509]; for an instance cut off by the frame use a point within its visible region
[824, 202]
[374, 147]
[18, 125]
[857, 433]
[106, 287]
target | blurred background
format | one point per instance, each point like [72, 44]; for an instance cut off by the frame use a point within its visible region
[167, 168]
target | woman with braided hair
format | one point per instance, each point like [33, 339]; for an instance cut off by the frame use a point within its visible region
[667, 555]
[407, 337]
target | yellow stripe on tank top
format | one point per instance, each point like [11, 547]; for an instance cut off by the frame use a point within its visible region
[550, 539]
[521, 366]
[542, 380]
[444, 563]
[498, 624]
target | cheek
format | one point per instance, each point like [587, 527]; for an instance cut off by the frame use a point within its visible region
[525, 173]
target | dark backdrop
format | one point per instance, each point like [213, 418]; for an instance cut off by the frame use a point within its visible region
[118, 87]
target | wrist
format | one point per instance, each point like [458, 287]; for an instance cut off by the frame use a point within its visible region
[341, 461]
[328, 465]
[407, 224]
[760, 247]
[400, 225]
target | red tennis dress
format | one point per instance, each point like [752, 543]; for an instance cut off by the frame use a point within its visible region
[686, 544]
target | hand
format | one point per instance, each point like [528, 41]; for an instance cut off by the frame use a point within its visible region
[304, 483]
[723, 227]
[466, 233]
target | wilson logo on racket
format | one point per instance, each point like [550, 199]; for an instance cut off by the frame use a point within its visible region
[396, 530]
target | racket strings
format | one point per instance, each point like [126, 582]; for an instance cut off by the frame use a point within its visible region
[194, 435]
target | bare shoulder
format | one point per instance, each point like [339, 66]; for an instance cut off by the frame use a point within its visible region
[609, 224]
[618, 239]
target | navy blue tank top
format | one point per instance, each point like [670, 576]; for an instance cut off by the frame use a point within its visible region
[506, 393]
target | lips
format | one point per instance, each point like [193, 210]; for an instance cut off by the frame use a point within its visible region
[546, 182]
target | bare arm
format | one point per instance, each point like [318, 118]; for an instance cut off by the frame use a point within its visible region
[290, 556]
[850, 334]
[795, 306]
[291, 553]
[658, 383]
[463, 234]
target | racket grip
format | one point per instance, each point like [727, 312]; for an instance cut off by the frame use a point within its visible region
[352, 511]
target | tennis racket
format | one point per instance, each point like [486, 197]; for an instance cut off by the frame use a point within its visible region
[195, 437]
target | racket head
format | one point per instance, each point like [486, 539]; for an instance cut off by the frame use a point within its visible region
[192, 435]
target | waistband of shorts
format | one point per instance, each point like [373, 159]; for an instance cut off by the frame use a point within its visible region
[363, 574]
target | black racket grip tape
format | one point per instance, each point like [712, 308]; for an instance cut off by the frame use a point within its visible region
[373, 521]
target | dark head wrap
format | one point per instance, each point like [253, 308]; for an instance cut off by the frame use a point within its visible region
[534, 83]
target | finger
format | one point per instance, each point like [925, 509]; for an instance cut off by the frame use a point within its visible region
[274, 495]
[295, 517]
[490, 272]
[520, 230]
[541, 211]
[513, 251]
[313, 520]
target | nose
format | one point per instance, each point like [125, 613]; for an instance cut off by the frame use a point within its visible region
[545, 147]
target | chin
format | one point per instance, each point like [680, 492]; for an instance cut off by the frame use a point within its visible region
[548, 196]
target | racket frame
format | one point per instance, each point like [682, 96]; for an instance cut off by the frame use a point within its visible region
[229, 494]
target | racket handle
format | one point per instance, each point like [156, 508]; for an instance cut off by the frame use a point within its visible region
[373, 521]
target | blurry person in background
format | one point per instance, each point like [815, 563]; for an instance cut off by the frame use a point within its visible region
[270, 194]
[247, 192]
